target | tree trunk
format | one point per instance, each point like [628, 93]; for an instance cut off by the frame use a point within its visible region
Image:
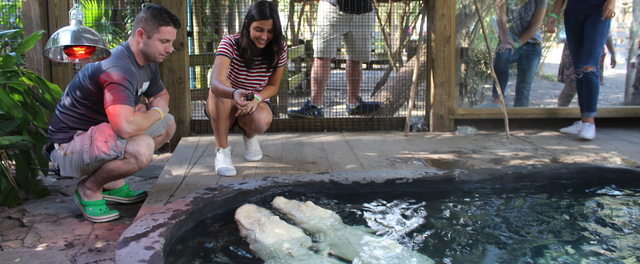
[633, 38]
[396, 91]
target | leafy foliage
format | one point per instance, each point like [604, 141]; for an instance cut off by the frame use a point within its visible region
[24, 96]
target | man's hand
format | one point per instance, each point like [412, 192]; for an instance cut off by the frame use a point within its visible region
[141, 108]
[159, 103]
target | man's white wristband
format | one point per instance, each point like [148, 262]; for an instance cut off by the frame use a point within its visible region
[159, 111]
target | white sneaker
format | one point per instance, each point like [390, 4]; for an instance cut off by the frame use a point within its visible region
[224, 166]
[588, 131]
[252, 151]
[573, 129]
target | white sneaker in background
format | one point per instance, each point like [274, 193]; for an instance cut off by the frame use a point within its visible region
[252, 151]
[588, 131]
[224, 166]
[573, 129]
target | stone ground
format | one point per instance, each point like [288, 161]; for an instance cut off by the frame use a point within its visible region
[52, 230]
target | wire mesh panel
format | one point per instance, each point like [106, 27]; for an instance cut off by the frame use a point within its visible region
[10, 19]
[350, 62]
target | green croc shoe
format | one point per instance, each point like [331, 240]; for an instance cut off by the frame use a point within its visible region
[95, 211]
[124, 194]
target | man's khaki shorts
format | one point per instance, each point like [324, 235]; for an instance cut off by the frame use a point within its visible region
[355, 29]
[91, 149]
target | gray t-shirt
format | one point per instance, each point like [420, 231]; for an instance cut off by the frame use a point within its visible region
[519, 17]
[118, 80]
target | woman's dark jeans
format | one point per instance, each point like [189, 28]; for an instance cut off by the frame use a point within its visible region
[528, 58]
[586, 35]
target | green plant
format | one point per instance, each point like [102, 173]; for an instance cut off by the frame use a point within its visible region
[96, 16]
[24, 96]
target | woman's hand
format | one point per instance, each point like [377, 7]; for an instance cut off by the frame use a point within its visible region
[244, 107]
[504, 46]
[609, 9]
[551, 25]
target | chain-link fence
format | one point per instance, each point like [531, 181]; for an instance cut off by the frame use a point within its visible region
[377, 42]
[372, 57]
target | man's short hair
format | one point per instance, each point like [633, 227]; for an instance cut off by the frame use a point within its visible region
[152, 17]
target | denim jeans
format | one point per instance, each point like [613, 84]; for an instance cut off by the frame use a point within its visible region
[528, 58]
[586, 35]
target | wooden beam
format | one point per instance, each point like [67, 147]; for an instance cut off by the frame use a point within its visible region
[174, 72]
[317, 125]
[31, 24]
[554, 112]
[442, 30]
[58, 12]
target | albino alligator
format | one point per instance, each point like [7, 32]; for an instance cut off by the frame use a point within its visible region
[275, 241]
[346, 241]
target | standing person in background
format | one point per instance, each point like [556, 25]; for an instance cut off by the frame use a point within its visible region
[635, 95]
[353, 21]
[587, 24]
[519, 24]
[248, 63]
[100, 131]
[565, 72]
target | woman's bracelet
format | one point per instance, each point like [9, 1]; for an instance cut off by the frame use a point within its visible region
[159, 111]
[259, 97]
[234, 91]
[517, 45]
[554, 15]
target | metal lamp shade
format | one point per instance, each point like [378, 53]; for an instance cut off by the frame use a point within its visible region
[75, 44]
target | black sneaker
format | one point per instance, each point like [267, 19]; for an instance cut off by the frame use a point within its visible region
[309, 110]
[363, 107]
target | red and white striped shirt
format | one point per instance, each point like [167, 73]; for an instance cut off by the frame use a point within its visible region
[240, 77]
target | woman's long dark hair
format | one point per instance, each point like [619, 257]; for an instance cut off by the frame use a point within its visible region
[261, 10]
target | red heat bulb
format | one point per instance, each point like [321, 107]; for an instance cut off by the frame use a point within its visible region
[79, 52]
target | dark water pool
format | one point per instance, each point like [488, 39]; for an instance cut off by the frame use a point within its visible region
[552, 222]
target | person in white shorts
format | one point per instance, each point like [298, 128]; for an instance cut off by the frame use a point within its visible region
[353, 21]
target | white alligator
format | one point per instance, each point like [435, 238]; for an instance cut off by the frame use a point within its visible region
[346, 241]
[275, 241]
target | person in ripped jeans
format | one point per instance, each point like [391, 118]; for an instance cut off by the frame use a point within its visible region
[99, 130]
[587, 24]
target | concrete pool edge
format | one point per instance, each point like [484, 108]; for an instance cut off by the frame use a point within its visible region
[144, 240]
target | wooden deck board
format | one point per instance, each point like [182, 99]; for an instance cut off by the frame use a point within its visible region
[396, 147]
[370, 155]
[341, 156]
[192, 165]
[199, 174]
[171, 177]
[314, 155]
[292, 151]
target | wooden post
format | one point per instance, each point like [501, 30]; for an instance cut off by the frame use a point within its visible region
[442, 31]
[174, 72]
[633, 49]
[31, 17]
[58, 11]
[32, 20]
